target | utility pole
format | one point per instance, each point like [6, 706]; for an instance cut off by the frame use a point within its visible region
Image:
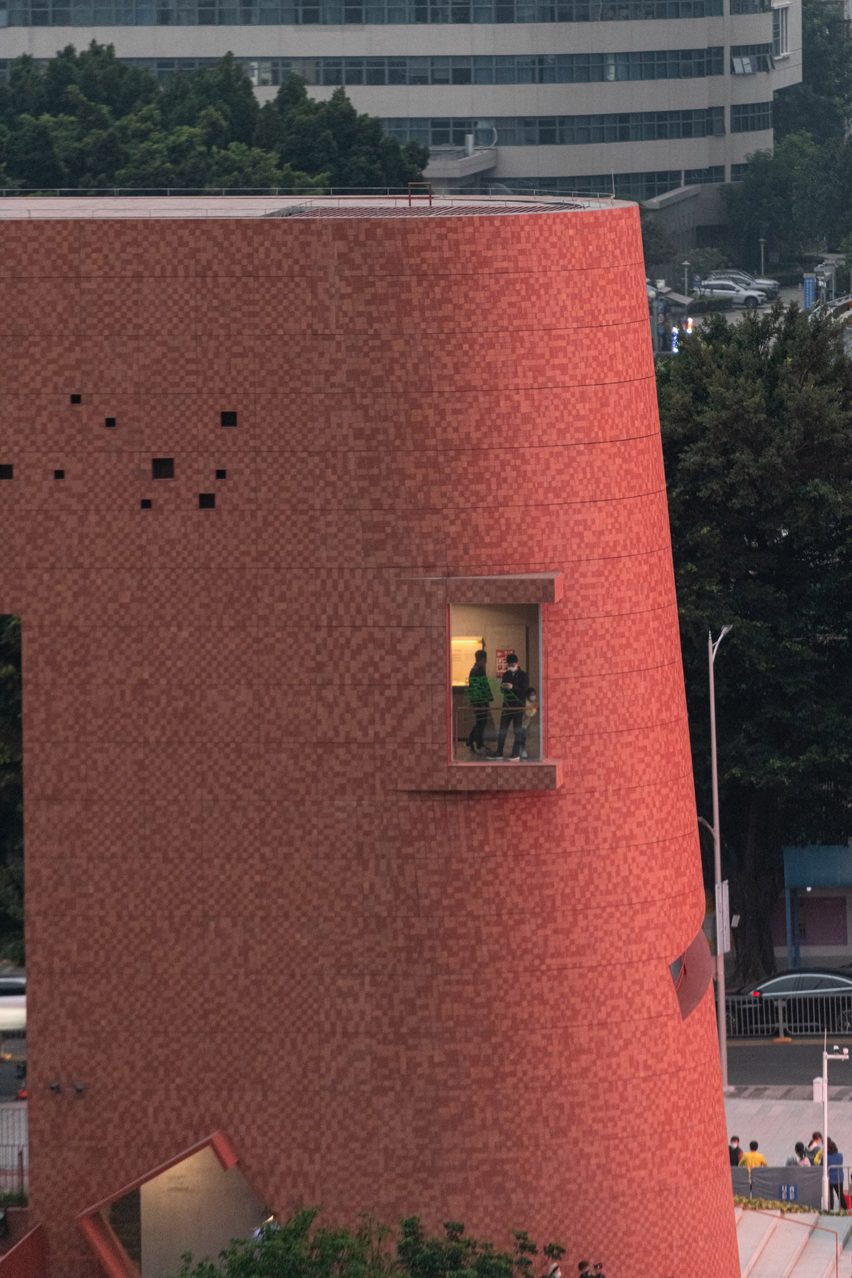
[712, 649]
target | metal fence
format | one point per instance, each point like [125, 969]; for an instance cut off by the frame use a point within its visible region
[14, 1148]
[802, 1185]
[751, 1017]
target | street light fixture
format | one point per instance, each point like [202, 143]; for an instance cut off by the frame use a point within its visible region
[686, 266]
[834, 1055]
[712, 649]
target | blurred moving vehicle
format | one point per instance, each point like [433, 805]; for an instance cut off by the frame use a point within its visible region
[814, 1000]
[13, 1004]
[738, 294]
[770, 287]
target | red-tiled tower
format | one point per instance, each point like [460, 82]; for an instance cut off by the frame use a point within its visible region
[260, 899]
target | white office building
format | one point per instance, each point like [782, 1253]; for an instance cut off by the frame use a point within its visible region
[565, 95]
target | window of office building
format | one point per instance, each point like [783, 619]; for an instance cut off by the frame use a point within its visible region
[780, 32]
[87, 13]
[751, 117]
[748, 59]
[495, 675]
[560, 130]
[541, 68]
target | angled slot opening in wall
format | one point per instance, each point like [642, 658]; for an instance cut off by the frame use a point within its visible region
[195, 1202]
[228, 418]
[163, 468]
[7, 470]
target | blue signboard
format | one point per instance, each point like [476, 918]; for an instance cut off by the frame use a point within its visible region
[809, 297]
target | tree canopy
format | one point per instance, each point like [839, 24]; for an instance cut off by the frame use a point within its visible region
[86, 121]
[757, 434]
[299, 1248]
[799, 197]
[821, 104]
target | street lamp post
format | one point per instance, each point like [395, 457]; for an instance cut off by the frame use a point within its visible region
[686, 266]
[762, 243]
[712, 649]
[834, 1055]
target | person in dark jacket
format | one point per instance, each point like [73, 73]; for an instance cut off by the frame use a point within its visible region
[481, 696]
[835, 1176]
[735, 1154]
[515, 686]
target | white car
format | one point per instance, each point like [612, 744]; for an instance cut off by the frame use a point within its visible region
[740, 296]
[13, 1004]
[767, 286]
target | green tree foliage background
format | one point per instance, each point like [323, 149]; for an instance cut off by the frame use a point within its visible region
[87, 121]
[800, 195]
[757, 435]
[300, 1248]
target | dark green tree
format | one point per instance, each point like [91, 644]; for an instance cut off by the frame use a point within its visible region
[332, 137]
[822, 103]
[757, 433]
[785, 197]
[87, 120]
[301, 1248]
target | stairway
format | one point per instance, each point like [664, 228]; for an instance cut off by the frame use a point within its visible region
[798, 1245]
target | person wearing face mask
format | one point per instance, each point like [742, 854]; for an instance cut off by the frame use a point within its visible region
[514, 685]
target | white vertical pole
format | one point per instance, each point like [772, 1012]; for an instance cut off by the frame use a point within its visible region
[825, 1125]
[717, 864]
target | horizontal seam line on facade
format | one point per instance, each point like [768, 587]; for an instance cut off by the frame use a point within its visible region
[614, 674]
[553, 738]
[344, 395]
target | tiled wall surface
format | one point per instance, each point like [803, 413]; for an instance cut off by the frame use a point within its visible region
[239, 915]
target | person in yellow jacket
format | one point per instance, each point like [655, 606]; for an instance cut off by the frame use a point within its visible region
[752, 1158]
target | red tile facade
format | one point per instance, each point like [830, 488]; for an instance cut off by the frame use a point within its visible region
[253, 901]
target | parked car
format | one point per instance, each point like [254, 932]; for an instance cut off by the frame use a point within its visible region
[770, 287]
[815, 999]
[739, 296]
[13, 1004]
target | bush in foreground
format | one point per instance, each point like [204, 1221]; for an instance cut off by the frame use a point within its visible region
[300, 1248]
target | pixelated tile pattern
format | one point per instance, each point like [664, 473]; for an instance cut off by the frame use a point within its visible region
[255, 900]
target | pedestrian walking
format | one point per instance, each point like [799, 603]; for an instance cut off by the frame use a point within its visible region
[735, 1154]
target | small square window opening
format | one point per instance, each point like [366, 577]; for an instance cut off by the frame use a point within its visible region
[6, 471]
[228, 418]
[206, 501]
[59, 474]
[163, 468]
[145, 503]
[495, 676]
[76, 399]
[221, 474]
[109, 422]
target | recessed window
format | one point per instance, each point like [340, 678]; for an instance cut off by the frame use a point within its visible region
[76, 399]
[163, 468]
[6, 471]
[109, 422]
[495, 673]
[206, 501]
[145, 503]
[221, 474]
[228, 418]
[59, 474]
